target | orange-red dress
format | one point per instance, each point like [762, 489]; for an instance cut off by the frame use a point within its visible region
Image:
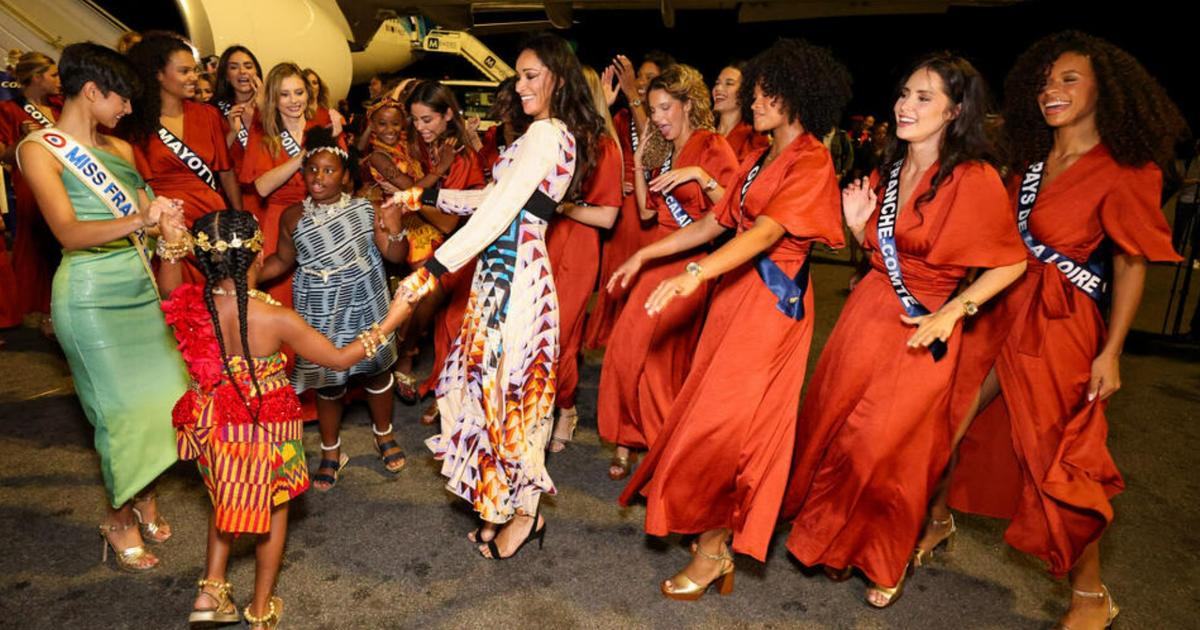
[466, 173]
[648, 357]
[874, 433]
[36, 253]
[574, 250]
[169, 177]
[744, 140]
[251, 202]
[617, 245]
[1038, 455]
[723, 456]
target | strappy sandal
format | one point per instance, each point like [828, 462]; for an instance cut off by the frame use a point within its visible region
[620, 464]
[407, 387]
[269, 621]
[151, 531]
[130, 558]
[225, 612]
[683, 588]
[336, 465]
[1113, 609]
[430, 416]
[921, 557]
[535, 533]
[891, 593]
[389, 461]
[476, 536]
[570, 417]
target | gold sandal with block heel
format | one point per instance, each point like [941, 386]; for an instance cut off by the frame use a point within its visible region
[682, 588]
[921, 557]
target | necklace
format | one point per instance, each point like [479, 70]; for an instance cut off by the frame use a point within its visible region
[254, 293]
[321, 213]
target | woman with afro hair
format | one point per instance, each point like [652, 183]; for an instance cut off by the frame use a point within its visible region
[874, 433]
[1088, 121]
[720, 464]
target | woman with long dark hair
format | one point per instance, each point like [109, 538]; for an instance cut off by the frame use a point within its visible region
[1090, 130]
[727, 107]
[496, 390]
[874, 431]
[720, 464]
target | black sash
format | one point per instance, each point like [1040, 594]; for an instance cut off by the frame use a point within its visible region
[886, 233]
[190, 158]
[677, 212]
[243, 136]
[36, 114]
[1091, 277]
[789, 290]
[289, 144]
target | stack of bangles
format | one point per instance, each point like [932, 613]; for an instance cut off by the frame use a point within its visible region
[175, 251]
[372, 340]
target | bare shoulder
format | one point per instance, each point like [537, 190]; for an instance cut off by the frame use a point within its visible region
[121, 148]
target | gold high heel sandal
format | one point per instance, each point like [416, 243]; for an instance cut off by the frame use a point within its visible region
[129, 559]
[569, 417]
[682, 588]
[151, 530]
[269, 621]
[891, 593]
[921, 557]
[1113, 609]
[225, 612]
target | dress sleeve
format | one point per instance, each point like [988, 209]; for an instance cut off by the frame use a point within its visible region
[462, 202]
[980, 227]
[465, 171]
[603, 187]
[807, 203]
[1131, 217]
[534, 159]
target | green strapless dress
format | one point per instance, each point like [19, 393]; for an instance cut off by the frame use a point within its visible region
[126, 367]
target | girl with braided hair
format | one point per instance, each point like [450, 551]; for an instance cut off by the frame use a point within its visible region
[334, 241]
[240, 419]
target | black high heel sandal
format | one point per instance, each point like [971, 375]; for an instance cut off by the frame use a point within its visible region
[535, 533]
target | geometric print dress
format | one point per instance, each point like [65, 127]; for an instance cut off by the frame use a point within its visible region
[497, 385]
[339, 287]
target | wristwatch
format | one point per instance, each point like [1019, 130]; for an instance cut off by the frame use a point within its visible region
[693, 269]
[711, 185]
[969, 307]
[637, 102]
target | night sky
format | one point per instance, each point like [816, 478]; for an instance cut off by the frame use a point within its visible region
[876, 49]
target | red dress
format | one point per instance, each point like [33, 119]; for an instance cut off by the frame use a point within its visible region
[168, 176]
[36, 252]
[251, 202]
[1037, 455]
[574, 250]
[874, 432]
[465, 173]
[648, 357]
[618, 244]
[723, 456]
[744, 140]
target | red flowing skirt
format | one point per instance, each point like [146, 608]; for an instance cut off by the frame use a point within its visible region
[626, 238]
[574, 250]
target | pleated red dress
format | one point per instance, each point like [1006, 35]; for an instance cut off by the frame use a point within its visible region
[1038, 454]
[168, 176]
[617, 245]
[648, 357]
[723, 456]
[36, 252]
[574, 250]
[466, 173]
[744, 140]
[874, 433]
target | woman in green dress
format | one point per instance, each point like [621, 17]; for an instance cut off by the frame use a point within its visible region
[126, 369]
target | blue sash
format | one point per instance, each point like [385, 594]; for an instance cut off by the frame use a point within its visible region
[885, 231]
[789, 290]
[677, 212]
[243, 136]
[1090, 277]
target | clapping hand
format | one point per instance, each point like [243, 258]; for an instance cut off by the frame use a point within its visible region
[858, 203]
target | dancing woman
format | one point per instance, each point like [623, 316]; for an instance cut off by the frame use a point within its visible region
[740, 135]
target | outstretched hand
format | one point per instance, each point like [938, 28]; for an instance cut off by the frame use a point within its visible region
[624, 274]
[858, 203]
[680, 285]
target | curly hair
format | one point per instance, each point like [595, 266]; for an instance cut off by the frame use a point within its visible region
[686, 85]
[233, 263]
[813, 86]
[571, 102]
[1136, 119]
[965, 138]
[150, 56]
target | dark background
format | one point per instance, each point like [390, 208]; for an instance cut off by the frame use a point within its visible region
[875, 48]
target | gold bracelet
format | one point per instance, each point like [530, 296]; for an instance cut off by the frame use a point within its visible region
[176, 250]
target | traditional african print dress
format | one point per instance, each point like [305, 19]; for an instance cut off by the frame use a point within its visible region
[496, 390]
[249, 465]
[340, 287]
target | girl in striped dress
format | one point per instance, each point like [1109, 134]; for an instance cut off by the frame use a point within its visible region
[340, 288]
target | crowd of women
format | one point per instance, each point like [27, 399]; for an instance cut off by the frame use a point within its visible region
[969, 367]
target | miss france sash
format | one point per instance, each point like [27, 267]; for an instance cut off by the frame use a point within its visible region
[37, 115]
[886, 233]
[79, 161]
[1090, 277]
[790, 291]
[190, 158]
[243, 136]
[290, 146]
[677, 212]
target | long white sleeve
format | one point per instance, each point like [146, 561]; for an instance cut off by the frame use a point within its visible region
[462, 202]
[535, 157]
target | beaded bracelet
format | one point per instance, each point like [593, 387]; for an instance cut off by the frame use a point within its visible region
[372, 339]
[176, 250]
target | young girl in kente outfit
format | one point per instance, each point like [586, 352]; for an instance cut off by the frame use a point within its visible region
[339, 287]
[239, 419]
